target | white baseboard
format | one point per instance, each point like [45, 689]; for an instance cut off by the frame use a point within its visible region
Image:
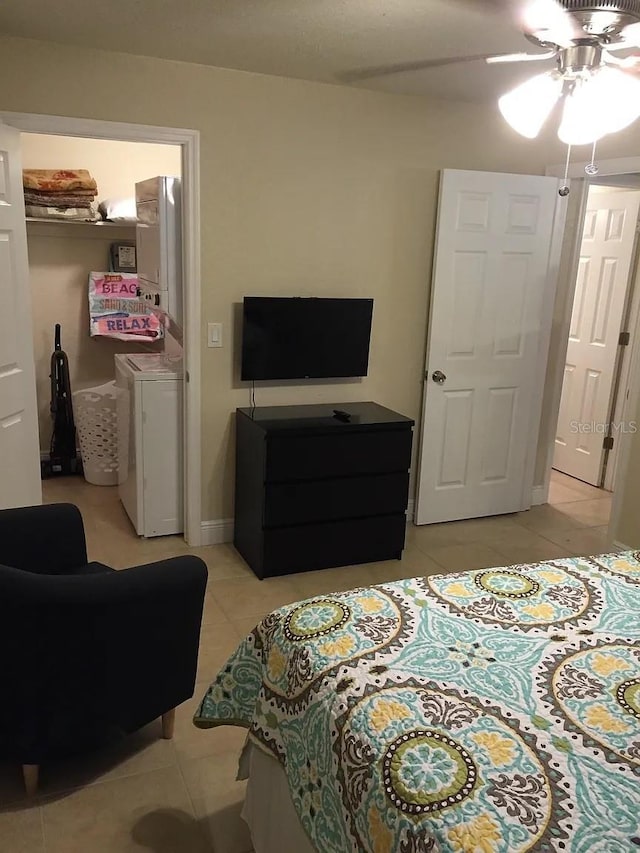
[538, 495]
[620, 546]
[217, 532]
[220, 530]
[410, 508]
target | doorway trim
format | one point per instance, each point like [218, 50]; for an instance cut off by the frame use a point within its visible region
[631, 322]
[189, 141]
[580, 182]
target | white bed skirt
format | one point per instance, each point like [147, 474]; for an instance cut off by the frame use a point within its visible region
[268, 810]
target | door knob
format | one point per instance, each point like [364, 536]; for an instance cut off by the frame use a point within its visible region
[439, 377]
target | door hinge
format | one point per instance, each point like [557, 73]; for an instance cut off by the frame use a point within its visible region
[186, 376]
[624, 339]
[607, 444]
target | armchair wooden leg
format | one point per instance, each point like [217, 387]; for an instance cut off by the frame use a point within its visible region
[168, 723]
[30, 774]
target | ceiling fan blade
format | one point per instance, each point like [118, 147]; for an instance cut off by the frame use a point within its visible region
[548, 21]
[521, 57]
[628, 63]
[417, 65]
[631, 36]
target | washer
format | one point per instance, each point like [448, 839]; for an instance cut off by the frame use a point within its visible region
[149, 391]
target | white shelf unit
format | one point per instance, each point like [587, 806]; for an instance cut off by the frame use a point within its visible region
[100, 223]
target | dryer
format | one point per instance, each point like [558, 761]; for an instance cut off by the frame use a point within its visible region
[159, 244]
[149, 390]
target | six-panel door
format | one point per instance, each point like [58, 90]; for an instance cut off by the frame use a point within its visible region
[490, 314]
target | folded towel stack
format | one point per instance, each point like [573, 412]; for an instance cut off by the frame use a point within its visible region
[59, 194]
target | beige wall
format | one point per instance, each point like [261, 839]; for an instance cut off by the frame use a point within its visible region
[116, 166]
[62, 255]
[306, 188]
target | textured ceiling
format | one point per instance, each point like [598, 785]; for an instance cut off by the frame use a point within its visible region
[325, 40]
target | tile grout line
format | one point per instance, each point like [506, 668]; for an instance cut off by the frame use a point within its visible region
[188, 792]
[541, 533]
[42, 828]
[580, 497]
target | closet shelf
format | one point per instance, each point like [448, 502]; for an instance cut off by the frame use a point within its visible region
[99, 223]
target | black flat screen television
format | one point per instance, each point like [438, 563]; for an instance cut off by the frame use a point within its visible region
[302, 338]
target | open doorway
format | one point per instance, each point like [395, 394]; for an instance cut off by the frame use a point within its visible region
[587, 433]
[618, 175]
[85, 245]
[185, 145]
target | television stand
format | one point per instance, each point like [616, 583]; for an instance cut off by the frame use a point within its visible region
[320, 485]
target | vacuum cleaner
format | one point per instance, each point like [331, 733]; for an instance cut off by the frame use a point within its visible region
[63, 456]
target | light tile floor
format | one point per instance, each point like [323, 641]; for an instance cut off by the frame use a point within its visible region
[181, 796]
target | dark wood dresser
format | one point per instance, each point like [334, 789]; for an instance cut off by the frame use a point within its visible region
[315, 490]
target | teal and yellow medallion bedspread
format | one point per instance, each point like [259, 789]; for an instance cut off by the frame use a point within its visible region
[491, 710]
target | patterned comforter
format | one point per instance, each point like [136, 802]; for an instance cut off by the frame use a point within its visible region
[491, 710]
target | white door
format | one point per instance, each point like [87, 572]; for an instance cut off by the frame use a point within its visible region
[606, 256]
[491, 308]
[19, 446]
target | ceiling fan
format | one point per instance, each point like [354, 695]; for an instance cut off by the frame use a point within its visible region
[584, 37]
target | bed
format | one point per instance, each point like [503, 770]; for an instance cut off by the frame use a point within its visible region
[490, 710]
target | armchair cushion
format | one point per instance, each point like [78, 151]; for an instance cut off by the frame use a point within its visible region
[91, 569]
[44, 539]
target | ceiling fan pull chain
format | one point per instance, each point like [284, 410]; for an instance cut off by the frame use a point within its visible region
[564, 189]
[591, 168]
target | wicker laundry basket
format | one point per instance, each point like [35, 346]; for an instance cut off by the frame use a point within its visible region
[95, 416]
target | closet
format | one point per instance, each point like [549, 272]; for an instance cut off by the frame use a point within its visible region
[62, 254]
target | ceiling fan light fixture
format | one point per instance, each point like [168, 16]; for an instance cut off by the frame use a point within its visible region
[528, 106]
[618, 95]
[581, 124]
[631, 35]
[606, 102]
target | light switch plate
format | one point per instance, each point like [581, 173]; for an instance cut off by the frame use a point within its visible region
[214, 334]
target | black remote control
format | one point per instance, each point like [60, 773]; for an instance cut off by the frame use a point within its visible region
[341, 415]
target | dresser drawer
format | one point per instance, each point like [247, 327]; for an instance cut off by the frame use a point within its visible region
[338, 543]
[303, 457]
[325, 500]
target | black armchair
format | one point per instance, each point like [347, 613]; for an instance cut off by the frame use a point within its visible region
[86, 651]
